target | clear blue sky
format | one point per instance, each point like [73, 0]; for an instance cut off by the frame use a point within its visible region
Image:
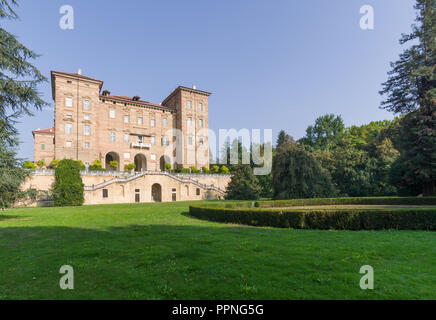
[275, 64]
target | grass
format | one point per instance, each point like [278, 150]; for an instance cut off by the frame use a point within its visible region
[157, 251]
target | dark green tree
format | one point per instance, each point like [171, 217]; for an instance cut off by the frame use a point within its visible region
[283, 139]
[296, 174]
[411, 89]
[18, 92]
[243, 184]
[68, 187]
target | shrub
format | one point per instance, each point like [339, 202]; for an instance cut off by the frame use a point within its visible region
[40, 164]
[29, 165]
[205, 170]
[81, 165]
[185, 170]
[129, 167]
[96, 166]
[167, 167]
[68, 187]
[194, 169]
[54, 163]
[113, 165]
[215, 169]
[224, 170]
[401, 219]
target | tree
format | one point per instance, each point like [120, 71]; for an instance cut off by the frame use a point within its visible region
[18, 91]
[243, 184]
[12, 175]
[325, 133]
[411, 89]
[68, 187]
[296, 174]
[19, 79]
[283, 139]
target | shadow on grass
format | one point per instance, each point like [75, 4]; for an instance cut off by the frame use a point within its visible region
[8, 217]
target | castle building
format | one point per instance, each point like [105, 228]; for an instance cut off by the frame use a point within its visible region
[91, 124]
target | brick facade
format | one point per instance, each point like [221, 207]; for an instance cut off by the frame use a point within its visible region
[93, 125]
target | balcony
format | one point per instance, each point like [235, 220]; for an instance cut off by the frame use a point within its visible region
[140, 145]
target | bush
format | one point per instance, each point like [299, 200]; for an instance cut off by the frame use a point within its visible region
[29, 165]
[224, 170]
[40, 164]
[215, 169]
[54, 163]
[167, 167]
[96, 166]
[129, 167]
[194, 169]
[400, 219]
[113, 165]
[68, 187]
[205, 170]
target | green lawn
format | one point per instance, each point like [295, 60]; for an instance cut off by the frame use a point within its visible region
[156, 251]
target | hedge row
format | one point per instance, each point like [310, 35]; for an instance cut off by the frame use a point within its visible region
[401, 219]
[345, 201]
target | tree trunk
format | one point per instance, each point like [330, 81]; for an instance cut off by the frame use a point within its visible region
[429, 188]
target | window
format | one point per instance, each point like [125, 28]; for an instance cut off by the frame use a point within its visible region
[126, 118]
[153, 140]
[200, 106]
[127, 137]
[126, 155]
[164, 122]
[86, 145]
[190, 141]
[189, 122]
[200, 123]
[140, 139]
[86, 104]
[105, 193]
[189, 104]
[86, 130]
[86, 116]
[42, 146]
[68, 102]
[201, 142]
[113, 137]
[152, 122]
[165, 141]
[140, 120]
[69, 144]
[112, 113]
[68, 128]
[69, 116]
[198, 191]
[153, 157]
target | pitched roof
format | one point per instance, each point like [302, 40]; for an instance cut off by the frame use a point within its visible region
[48, 130]
[71, 75]
[130, 100]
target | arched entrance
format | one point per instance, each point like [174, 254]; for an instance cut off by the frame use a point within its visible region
[164, 159]
[156, 193]
[112, 156]
[140, 162]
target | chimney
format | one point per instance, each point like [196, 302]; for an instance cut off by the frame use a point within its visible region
[194, 87]
[79, 72]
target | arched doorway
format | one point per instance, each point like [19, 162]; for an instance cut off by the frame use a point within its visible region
[156, 193]
[112, 156]
[163, 160]
[140, 162]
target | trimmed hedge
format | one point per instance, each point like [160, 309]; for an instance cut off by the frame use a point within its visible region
[324, 219]
[345, 201]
